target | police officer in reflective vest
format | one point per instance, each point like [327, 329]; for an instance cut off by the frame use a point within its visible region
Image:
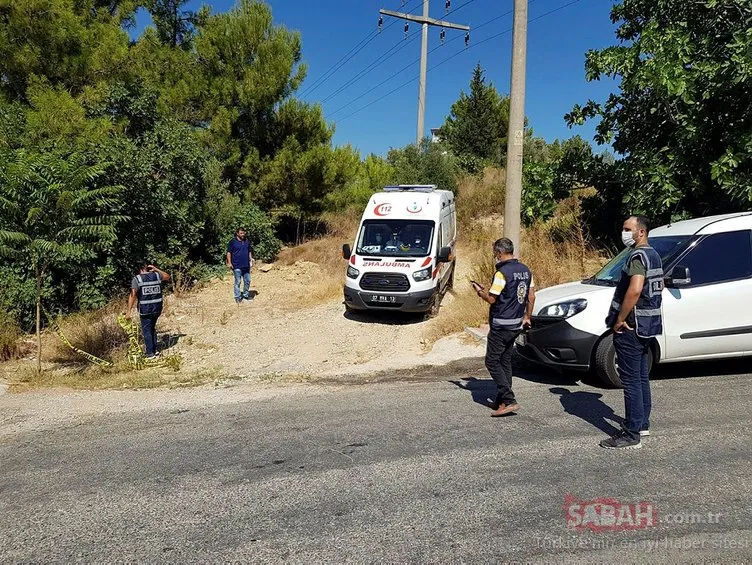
[635, 317]
[511, 296]
[146, 287]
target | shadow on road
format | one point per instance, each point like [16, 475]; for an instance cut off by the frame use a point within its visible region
[588, 406]
[483, 391]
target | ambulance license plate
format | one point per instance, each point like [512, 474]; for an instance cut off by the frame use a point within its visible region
[383, 298]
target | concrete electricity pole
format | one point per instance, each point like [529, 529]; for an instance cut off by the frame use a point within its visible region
[426, 21]
[516, 133]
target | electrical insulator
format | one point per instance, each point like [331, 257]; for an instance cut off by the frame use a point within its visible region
[407, 28]
[448, 5]
[467, 40]
[442, 35]
[381, 22]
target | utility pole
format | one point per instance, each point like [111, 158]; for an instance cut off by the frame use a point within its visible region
[425, 21]
[516, 133]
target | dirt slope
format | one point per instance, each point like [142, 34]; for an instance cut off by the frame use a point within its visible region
[272, 335]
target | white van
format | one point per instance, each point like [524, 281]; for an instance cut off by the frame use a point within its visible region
[707, 302]
[403, 257]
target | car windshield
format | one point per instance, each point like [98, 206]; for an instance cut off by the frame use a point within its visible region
[395, 238]
[666, 246]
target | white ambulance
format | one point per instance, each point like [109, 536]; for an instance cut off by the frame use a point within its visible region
[403, 257]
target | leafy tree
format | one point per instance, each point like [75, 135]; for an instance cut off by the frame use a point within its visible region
[428, 164]
[175, 26]
[53, 211]
[477, 125]
[682, 118]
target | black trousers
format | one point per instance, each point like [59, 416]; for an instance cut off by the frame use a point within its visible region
[499, 350]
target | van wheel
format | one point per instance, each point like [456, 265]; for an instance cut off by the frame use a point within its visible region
[433, 309]
[606, 364]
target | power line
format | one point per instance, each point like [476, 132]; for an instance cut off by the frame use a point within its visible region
[396, 48]
[388, 55]
[345, 59]
[403, 69]
[404, 84]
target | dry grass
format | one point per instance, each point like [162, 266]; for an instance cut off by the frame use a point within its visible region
[320, 265]
[10, 336]
[95, 332]
[482, 195]
[25, 378]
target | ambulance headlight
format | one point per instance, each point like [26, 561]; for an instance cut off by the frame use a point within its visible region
[352, 272]
[422, 275]
[564, 310]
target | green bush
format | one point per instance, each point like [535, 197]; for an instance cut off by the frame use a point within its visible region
[259, 229]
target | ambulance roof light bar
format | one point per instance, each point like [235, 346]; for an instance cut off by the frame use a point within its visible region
[410, 188]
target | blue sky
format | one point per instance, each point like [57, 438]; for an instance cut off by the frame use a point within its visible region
[331, 28]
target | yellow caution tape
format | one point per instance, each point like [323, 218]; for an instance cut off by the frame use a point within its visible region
[56, 328]
[136, 357]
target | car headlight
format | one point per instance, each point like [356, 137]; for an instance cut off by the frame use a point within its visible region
[422, 275]
[352, 272]
[564, 310]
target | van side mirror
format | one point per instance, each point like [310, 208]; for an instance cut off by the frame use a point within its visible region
[679, 276]
[346, 251]
[445, 255]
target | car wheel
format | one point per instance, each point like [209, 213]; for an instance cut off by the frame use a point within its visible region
[607, 365]
[605, 362]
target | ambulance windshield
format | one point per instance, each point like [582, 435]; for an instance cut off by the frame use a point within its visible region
[395, 238]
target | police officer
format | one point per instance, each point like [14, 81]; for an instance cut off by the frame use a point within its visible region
[635, 317]
[146, 287]
[511, 296]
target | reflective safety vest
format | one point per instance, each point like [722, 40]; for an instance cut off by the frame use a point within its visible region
[647, 312]
[149, 294]
[509, 309]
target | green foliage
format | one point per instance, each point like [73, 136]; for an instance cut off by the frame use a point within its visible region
[259, 230]
[476, 129]
[681, 119]
[372, 175]
[428, 164]
[538, 202]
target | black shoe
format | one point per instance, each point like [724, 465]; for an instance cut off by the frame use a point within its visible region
[622, 440]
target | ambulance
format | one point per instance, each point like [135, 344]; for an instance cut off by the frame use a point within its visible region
[403, 255]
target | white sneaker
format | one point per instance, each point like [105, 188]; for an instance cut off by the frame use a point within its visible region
[644, 433]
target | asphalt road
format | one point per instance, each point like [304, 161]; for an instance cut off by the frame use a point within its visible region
[408, 472]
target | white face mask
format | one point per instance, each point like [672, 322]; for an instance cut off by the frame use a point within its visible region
[627, 238]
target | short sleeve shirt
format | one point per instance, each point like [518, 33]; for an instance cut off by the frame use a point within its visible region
[239, 253]
[637, 268]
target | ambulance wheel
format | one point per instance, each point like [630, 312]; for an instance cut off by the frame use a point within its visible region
[433, 309]
[606, 364]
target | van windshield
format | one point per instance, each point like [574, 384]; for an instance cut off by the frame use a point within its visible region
[666, 246]
[395, 238]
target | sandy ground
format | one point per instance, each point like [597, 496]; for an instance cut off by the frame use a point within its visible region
[272, 335]
[248, 346]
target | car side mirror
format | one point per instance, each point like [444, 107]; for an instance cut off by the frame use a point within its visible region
[679, 276]
[445, 255]
[346, 251]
